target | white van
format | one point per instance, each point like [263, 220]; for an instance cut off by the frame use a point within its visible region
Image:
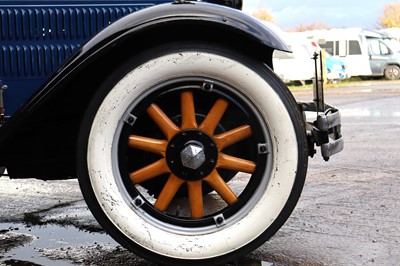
[365, 53]
[350, 45]
[297, 66]
[384, 57]
[391, 33]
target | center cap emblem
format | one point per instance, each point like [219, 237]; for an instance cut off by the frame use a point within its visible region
[193, 156]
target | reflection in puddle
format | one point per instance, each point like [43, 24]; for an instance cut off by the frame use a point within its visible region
[67, 246]
[46, 238]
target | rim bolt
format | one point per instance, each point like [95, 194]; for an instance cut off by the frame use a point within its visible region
[138, 202]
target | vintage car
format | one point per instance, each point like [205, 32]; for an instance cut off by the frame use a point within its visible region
[187, 147]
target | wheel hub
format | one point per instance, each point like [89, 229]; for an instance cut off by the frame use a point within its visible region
[191, 155]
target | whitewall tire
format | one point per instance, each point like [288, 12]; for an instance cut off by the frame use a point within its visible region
[192, 154]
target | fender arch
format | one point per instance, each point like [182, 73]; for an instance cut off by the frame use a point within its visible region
[42, 134]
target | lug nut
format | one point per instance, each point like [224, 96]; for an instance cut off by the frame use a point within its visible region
[138, 202]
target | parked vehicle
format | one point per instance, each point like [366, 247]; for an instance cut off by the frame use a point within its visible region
[336, 69]
[391, 33]
[364, 52]
[384, 58]
[298, 65]
[159, 108]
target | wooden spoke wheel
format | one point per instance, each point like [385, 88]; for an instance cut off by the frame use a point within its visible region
[191, 152]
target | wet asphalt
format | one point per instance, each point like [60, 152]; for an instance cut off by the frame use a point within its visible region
[347, 214]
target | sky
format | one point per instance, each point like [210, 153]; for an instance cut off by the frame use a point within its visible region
[289, 14]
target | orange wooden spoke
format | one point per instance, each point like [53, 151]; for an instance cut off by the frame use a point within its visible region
[168, 192]
[148, 172]
[188, 111]
[232, 136]
[212, 119]
[216, 182]
[236, 164]
[162, 120]
[196, 198]
[156, 146]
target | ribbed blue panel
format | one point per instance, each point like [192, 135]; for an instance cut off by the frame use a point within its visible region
[40, 39]
[57, 23]
[37, 36]
[33, 60]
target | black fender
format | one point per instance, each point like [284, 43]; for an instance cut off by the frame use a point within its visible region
[46, 127]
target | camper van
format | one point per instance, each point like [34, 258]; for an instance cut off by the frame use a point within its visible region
[366, 53]
[297, 66]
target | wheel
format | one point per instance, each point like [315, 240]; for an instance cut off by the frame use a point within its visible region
[392, 72]
[192, 153]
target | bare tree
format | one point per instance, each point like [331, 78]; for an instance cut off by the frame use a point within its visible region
[312, 26]
[391, 16]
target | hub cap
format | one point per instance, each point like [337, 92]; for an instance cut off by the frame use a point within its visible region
[191, 155]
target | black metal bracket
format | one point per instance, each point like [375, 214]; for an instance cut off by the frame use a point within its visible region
[318, 89]
[324, 131]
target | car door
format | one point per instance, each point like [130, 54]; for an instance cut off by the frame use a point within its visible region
[379, 53]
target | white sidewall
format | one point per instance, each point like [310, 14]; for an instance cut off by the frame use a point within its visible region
[184, 245]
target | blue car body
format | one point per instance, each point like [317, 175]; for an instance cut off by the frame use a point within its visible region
[54, 54]
[38, 36]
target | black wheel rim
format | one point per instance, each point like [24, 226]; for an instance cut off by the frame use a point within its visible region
[182, 107]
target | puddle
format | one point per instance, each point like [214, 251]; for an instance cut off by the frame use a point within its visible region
[51, 244]
[48, 241]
